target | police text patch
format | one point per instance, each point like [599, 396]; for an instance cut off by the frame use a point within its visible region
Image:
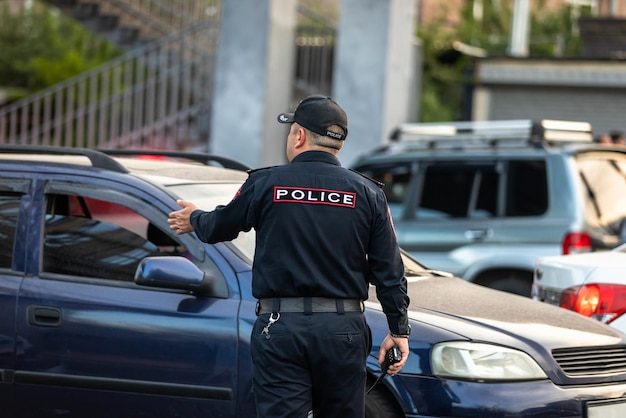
[285, 194]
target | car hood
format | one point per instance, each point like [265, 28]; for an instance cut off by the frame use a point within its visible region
[476, 312]
[459, 310]
[566, 345]
[468, 311]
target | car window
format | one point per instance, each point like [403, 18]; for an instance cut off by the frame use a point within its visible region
[396, 179]
[527, 188]
[454, 190]
[604, 182]
[80, 246]
[94, 238]
[9, 210]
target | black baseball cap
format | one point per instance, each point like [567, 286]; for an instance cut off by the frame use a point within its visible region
[317, 113]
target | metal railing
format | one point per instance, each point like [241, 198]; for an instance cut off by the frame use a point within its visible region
[156, 96]
[157, 18]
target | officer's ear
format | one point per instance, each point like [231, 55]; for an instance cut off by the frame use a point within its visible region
[301, 138]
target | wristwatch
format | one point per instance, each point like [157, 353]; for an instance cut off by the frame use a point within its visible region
[406, 335]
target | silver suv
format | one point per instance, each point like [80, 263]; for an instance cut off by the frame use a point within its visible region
[484, 200]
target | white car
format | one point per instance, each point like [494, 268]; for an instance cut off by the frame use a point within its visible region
[592, 284]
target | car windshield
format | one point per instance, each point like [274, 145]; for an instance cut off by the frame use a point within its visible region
[207, 196]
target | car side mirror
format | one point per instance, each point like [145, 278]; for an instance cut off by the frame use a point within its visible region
[171, 272]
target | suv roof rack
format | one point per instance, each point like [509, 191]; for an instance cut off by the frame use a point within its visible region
[97, 158]
[192, 156]
[494, 133]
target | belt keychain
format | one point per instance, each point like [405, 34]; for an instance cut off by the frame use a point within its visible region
[266, 329]
[274, 316]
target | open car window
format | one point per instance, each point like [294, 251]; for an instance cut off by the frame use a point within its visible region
[80, 246]
[89, 237]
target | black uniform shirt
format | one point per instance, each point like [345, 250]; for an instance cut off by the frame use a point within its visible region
[321, 230]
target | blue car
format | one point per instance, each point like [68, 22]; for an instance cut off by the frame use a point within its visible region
[106, 313]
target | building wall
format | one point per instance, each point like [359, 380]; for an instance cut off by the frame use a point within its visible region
[602, 107]
[431, 10]
[583, 90]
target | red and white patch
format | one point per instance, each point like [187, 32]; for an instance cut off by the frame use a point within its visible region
[286, 194]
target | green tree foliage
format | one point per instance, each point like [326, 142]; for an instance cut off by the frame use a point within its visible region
[40, 47]
[447, 72]
[442, 72]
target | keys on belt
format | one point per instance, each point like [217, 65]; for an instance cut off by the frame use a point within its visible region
[275, 316]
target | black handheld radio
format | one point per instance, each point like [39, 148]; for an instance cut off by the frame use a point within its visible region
[392, 356]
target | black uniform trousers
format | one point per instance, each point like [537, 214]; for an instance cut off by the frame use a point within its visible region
[312, 361]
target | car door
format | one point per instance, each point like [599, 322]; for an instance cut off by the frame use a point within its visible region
[14, 204]
[95, 344]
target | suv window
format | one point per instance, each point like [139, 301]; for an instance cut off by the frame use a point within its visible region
[90, 237]
[527, 188]
[604, 182]
[455, 190]
[396, 180]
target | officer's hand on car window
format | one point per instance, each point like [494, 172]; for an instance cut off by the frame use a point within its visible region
[388, 343]
[179, 220]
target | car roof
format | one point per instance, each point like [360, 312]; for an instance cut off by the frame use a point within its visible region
[397, 152]
[161, 167]
[174, 172]
[487, 139]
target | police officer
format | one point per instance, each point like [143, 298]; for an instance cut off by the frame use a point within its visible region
[323, 234]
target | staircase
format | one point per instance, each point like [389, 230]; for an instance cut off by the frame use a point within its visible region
[132, 23]
[158, 94]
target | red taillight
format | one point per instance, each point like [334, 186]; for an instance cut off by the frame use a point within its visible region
[601, 301]
[576, 242]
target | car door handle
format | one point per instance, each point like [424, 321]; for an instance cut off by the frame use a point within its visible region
[478, 234]
[44, 316]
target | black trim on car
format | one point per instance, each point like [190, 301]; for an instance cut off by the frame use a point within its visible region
[124, 385]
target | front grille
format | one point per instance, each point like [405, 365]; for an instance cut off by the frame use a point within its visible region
[591, 361]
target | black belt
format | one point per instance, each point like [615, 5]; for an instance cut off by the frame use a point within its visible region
[308, 305]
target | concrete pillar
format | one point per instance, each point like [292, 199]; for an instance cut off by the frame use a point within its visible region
[253, 80]
[375, 70]
[520, 29]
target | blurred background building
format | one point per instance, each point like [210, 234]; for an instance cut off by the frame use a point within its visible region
[211, 75]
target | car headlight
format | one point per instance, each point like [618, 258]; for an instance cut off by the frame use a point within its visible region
[480, 361]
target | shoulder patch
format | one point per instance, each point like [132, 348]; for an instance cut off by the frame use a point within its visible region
[378, 183]
[254, 170]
